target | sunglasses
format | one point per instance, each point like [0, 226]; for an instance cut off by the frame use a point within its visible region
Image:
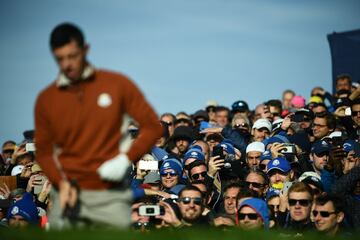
[187, 200]
[322, 154]
[196, 176]
[254, 184]
[323, 214]
[302, 202]
[241, 125]
[273, 206]
[138, 225]
[172, 174]
[9, 151]
[262, 166]
[354, 113]
[251, 216]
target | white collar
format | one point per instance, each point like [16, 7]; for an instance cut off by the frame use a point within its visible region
[63, 81]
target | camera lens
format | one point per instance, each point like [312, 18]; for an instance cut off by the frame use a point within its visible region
[149, 210]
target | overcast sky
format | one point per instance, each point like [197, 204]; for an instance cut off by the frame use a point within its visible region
[181, 53]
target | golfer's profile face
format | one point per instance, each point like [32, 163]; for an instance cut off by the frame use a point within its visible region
[71, 60]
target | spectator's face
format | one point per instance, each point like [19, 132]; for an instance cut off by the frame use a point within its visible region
[319, 109]
[169, 179]
[8, 150]
[71, 60]
[277, 176]
[320, 128]
[343, 84]
[320, 160]
[330, 219]
[198, 173]
[262, 111]
[222, 118]
[240, 123]
[170, 123]
[204, 149]
[182, 145]
[190, 205]
[355, 113]
[275, 112]
[18, 221]
[259, 135]
[274, 204]
[256, 183]
[253, 159]
[230, 200]
[287, 100]
[299, 210]
[249, 219]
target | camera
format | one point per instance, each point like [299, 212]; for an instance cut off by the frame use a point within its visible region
[40, 179]
[148, 165]
[30, 147]
[229, 158]
[288, 149]
[151, 210]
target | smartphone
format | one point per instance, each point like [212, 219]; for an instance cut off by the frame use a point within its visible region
[148, 165]
[151, 210]
[218, 151]
[297, 118]
[288, 149]
[348, 111]
[40, 180]
[30, 147]
[286, 187]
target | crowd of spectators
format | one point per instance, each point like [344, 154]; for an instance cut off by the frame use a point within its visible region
[290, 164]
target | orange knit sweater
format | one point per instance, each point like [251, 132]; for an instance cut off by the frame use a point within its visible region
[84, 121]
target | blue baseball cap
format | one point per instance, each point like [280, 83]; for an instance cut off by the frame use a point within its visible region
[171, 163]
[266, 156]
[194, 153]
[320, 146]
[272, 192]
[279, 163]
[227, 147]
[349, 145]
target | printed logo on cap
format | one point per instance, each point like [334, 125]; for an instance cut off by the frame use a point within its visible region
[166, 165]
[104, 100]
[324, 143]
[276, 162]
[315, 179]
[194, 154]
[15, 210]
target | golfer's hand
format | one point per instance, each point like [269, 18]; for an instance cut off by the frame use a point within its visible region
[115, 168]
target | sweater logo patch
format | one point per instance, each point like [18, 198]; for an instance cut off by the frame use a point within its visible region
[104, 100]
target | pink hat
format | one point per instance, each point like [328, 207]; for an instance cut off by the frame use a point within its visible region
[298, 101]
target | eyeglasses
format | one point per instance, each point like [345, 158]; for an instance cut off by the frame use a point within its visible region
[251, 216]
[168, 123]
[196, 176]
[323, 214]
[254, 184]
[302, 202]
[354, 113]
[187, 200]
[172, 174]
